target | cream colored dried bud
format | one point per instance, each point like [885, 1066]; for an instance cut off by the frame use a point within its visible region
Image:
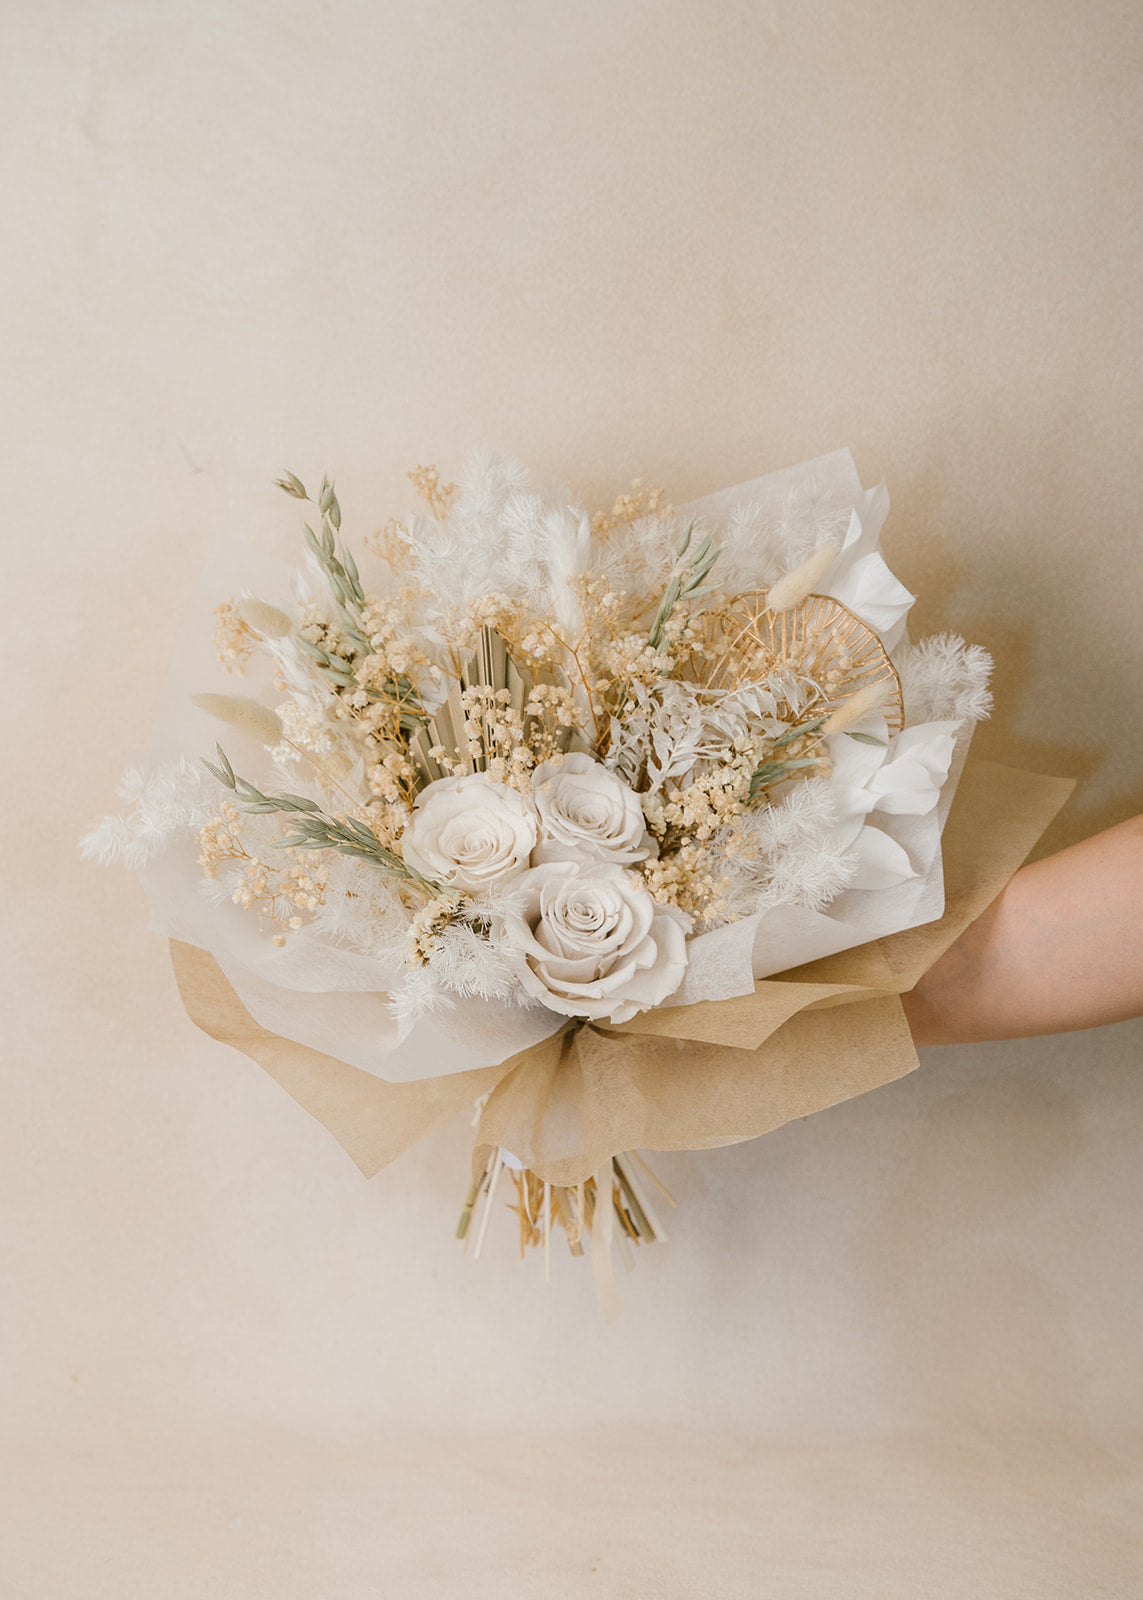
[791, 590]
[871, 698]
[263, 618]
[239, 711]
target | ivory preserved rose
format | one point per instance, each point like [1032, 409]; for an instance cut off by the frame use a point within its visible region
[587, 814]
[595, 944]
[469, 833]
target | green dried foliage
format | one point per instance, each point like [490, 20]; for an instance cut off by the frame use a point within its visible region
[771, 772]
[314, 830]
[292, 485]
[688, 583]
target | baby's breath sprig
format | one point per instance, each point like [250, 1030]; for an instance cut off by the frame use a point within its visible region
[688, 581]
[316, 831]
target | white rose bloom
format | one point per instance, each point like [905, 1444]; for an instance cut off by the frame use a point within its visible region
[587, 814]
[469, 833]
[594, 942]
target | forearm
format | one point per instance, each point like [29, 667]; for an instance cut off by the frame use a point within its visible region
[1061, 948]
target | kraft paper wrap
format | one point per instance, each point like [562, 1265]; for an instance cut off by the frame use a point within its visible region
[677, 1078]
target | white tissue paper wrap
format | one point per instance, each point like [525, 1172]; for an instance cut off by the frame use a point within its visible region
[892, 805]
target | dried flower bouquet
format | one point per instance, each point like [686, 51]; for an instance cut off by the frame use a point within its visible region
[510, 803]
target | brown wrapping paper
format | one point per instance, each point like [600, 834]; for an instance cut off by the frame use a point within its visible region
[683, 1077]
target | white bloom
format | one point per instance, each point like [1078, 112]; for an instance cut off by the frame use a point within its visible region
[788, 854]
[898, 777]
[908, 782]
[881, 863]
[859, 577]
[469, 832]
[942, 677]
[164, 801]
[587, 814]
[594, 942]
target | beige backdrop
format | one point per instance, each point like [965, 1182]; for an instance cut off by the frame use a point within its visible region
[891, 1351]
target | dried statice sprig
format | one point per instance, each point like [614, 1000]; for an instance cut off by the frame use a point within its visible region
[688, 581]
[316, 831]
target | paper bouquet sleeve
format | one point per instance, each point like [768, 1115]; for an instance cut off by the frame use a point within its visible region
[679, 1077]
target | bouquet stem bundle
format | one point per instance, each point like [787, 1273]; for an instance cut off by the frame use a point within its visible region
[540, 1205]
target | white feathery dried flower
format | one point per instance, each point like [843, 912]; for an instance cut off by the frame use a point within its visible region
[762, 542]
[467, 964]
[163, 802]
[785, 854]
[416, 996]
[944, 679]
[361, 908]
[113, 839]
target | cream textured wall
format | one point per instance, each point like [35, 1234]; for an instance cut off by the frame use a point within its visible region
[890, 1351]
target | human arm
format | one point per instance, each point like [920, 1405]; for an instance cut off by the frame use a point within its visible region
[1060, 948]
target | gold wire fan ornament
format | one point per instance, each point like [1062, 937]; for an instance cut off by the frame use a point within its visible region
[819, 638]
